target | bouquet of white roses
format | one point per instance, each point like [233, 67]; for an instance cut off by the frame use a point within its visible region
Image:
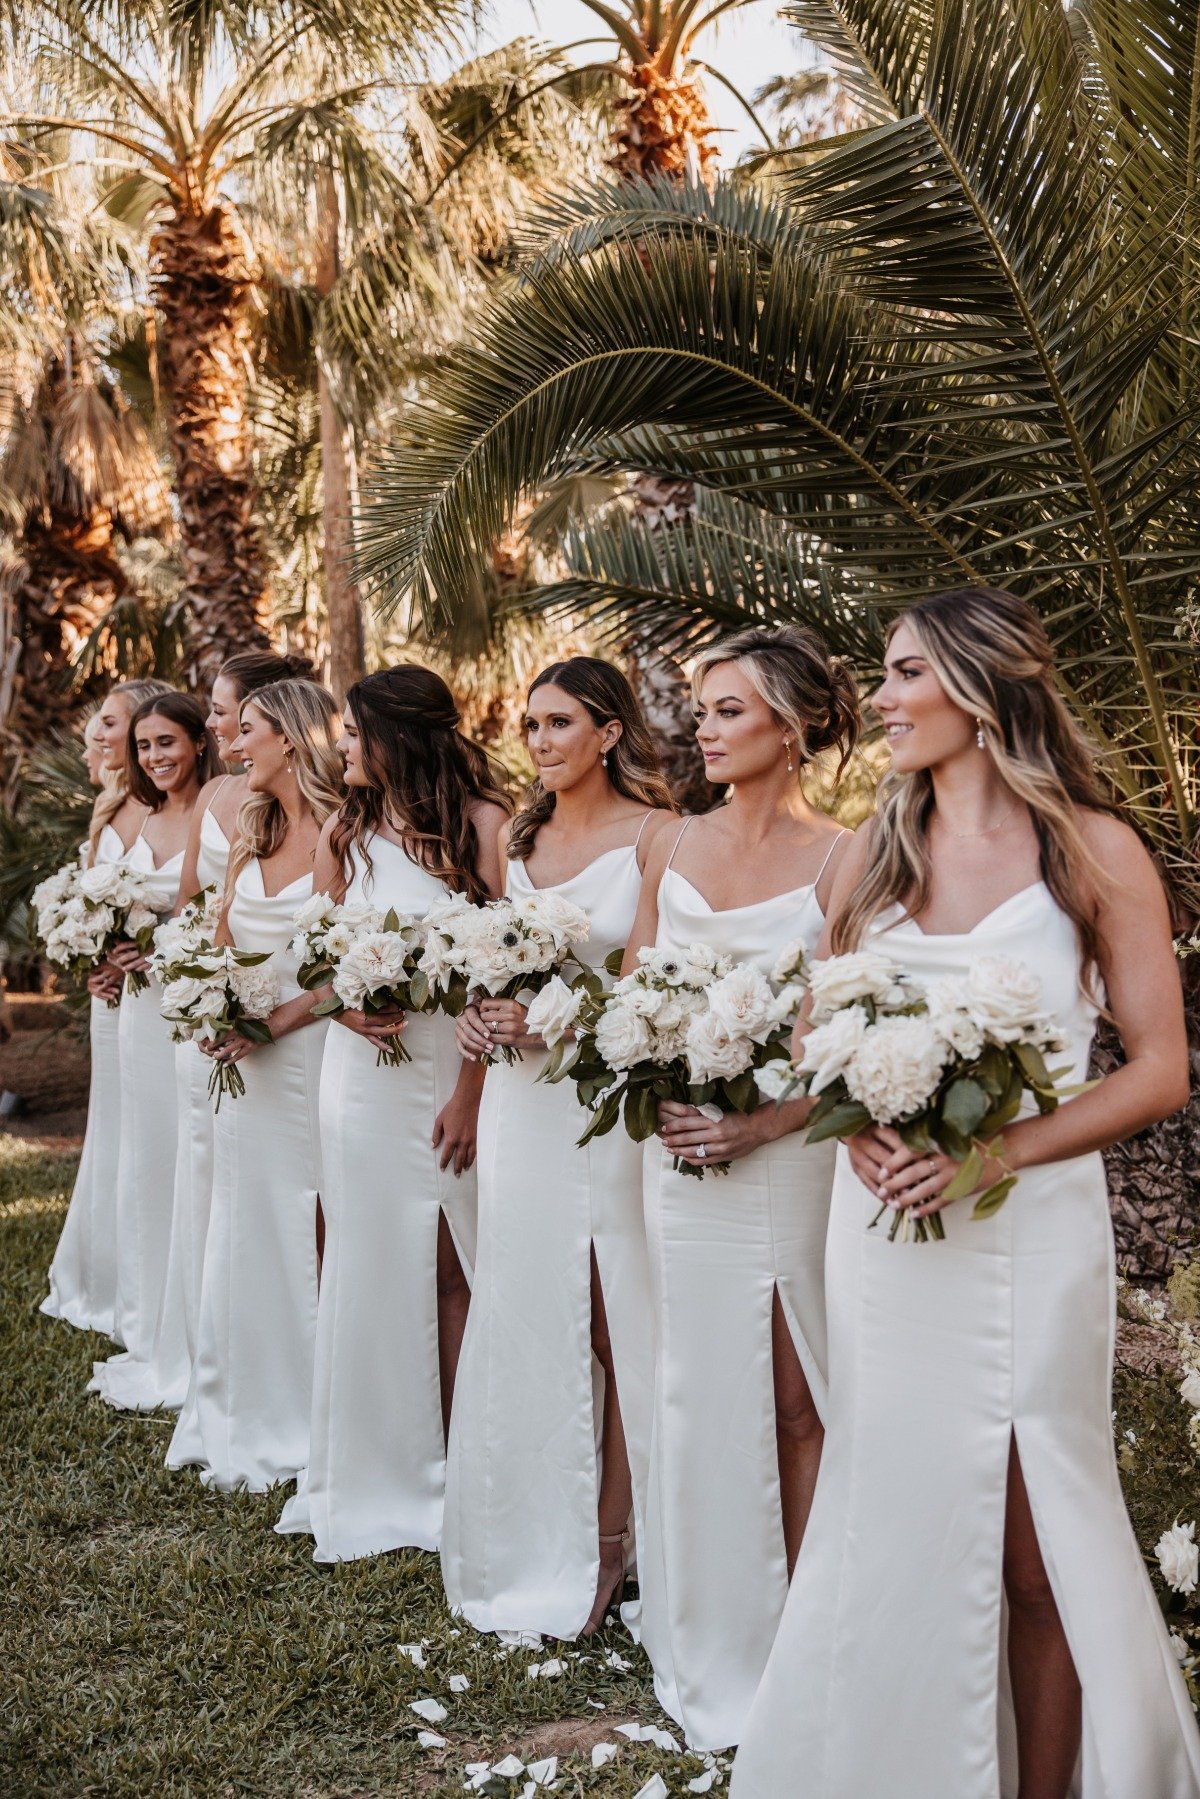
[219, 993]
[504, 949]
[82, 913]
[177, 941]
[947, 1064]
[690, 1026]
[370, 958]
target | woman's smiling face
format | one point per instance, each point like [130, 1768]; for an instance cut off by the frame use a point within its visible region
[924, 726]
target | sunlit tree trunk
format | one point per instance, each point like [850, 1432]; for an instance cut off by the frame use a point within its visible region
[339, 479]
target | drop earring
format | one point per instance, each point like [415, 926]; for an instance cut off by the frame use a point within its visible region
[604, 758]
[788, 751]
[980, 739]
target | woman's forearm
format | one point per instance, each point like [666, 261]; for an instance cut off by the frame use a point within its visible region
[1123, 1103]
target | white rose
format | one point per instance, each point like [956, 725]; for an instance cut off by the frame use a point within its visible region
[622, 1038]
[182, 994]
[1178, 1557]
[377, 960]
[1189, 1388]
[338, 940]
[647, 1002]
[553, 1012]
[792, 964]
[743, 1001]
[785, 1007]
[1005, 998]
[829, 1048]
[102, 883]
[952, 1017]
[714, 1052]
[896, 1068]
[315, 911]
[841, 980]
[777, 1080]
[567, 923]
[139, 918]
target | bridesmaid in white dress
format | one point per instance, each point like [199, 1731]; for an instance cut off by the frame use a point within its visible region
[161, 1379]
[245, 1419]
[170, 756]
[397, 1144]
[737, 1259]
[83, 1274]
[549, 1437]
[970, 1614]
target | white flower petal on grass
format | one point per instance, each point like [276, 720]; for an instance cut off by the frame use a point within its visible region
[459, 1683]
[655, 1788]
[543, 1772]
[1178, 1644]
[518, 1639]
[415, 1653]
[617, 1661]
[430, 1710]
[597, 1705]
[603, 1753]
[509, 1768]
[1179, 1557]
[429, 1739]
[703, 1782]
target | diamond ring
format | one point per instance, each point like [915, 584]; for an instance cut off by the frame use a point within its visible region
[701, 1150]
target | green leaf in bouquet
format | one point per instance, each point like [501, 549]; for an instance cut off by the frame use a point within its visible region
[702, 1093]
[993, 1070]
[641, 1113]
[1032, 1064]
[612, 963]
[255, 1030]
[968, 1176]
[391, 919]
[915, 1136]
[994, 1198]
[418, 990]
[315, 974]
[964, 1104]
[844, 1119]
[604, 1118]
[741, 1093]
[328, 1008]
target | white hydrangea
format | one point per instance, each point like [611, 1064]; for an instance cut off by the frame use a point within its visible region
[1178, 1557]
[951, 1016]
[896, 1068]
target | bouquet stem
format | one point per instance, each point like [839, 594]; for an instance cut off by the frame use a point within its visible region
[392, 1055]
[226, 1077]
[910, 1229]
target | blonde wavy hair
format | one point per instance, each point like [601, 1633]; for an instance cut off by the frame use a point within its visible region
[812, 693]
[991, 654]
[309, 718]
[115, 791]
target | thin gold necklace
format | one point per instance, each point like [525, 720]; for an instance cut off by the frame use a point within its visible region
[988, 832]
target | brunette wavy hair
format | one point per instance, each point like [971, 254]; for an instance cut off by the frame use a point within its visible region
[309, 718]
[808, 690]
[114, 793]
[182, 710]
[251, 669]
[991, 654]
[425, 777]
[633, 765]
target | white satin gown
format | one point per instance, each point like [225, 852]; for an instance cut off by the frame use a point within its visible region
[714, 1567]
[146, 1161]
[83, 1274]
[160, 1378]
[520, 1549]
[244, 1422]
[887, 1677]
[377, 1462]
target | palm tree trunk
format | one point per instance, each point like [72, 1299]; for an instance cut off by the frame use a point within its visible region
[203, 270]
[64, 579]
[339, 480]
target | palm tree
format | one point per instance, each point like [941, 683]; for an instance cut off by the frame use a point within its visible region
[179, 98]
[949, 348]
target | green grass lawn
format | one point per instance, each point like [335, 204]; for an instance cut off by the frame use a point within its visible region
[161, 1640]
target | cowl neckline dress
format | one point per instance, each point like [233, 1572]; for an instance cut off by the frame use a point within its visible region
[714, 1571]
[244, 1422]
[146, 1159]
[83, 1273]
[377, 1458]
[887, 1679]
[520, 1548]
[162, 1378]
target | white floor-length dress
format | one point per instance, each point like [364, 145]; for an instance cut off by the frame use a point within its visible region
[714, 1567]
[245, 1419]
[377, 1462]
[160, 1378]
[520, 1545]
[885, 1678]
[146, 1162]
[83, 1274]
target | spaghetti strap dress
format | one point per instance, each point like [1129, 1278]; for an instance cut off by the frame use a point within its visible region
[83, 1274]
[244, 1422]
[377, 1460]
[887, 1677]
[161, 1378]
[714, 1569]
[146, 1161]
[520, 1549]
